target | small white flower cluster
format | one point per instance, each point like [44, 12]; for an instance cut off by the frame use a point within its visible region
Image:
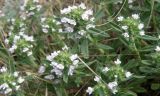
[31, 9]
[90, 90]
[58, 67]
[117, 62]
[97, 78]
[157, 49]
[1, 14]
[14, 85]
[74, 65]
[113, 86]
[3, 69]
[5, 89]
[49, 24]
[129, 2]
[82, 16]
[69, 9]
[127, 74]
[19, 41]
[16, 43]
[126, 27]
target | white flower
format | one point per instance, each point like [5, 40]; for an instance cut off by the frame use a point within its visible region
[75, 62]
[3, 69]
[35, 1]
[57, 72]
[71, 70]
[140, 26]
[57, 23]
[49, 77]
[20, 80]
[67, 20]
[17, 87]
[45, 26]
[135, 16]
[92, 19]
[142, 33]
[11, 50]
[49, 58]
[43, 19]
[130, 1]
[125, 27]
[41, 69]
[6, 41]
[30, 14]
[29, 53]
[55, 53]
[106, 69]
[157, 49]
[39, 7]
[60, 30]
[69, 29]
[53, 29]
[89, 12]
[21, 33]
[45, 30]
[13, 20]
[117, 62]
[73, 57]
[8, 90]
[113, 86]
[60, 66]
[64, 20]
[116, 76]
[54, 21]
[126, 34]
[82, 5]
[86, 14]
[128, 74]
[13, 83]
[25, 49]
[96, 78]
[15, 74]
[85, 17]
[72, 22]
[16, 38]
[90, 26]
[73, 7]
[54, 64]
[28, 38]
[65, 47]
[89, 90]
[82, 32]
[120, 18]
[66, 10]
[4, 86]
[32, 8]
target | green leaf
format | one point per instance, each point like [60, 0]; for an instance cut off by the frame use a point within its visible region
[147, 37]
[65, 76]
[146, 62]
[99, 32]
[155, 86]
[84, 48]
[99, 14]
[102, 46]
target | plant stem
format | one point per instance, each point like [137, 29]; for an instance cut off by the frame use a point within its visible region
[135, 48]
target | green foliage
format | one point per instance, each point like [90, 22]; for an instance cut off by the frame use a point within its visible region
[107, 48]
